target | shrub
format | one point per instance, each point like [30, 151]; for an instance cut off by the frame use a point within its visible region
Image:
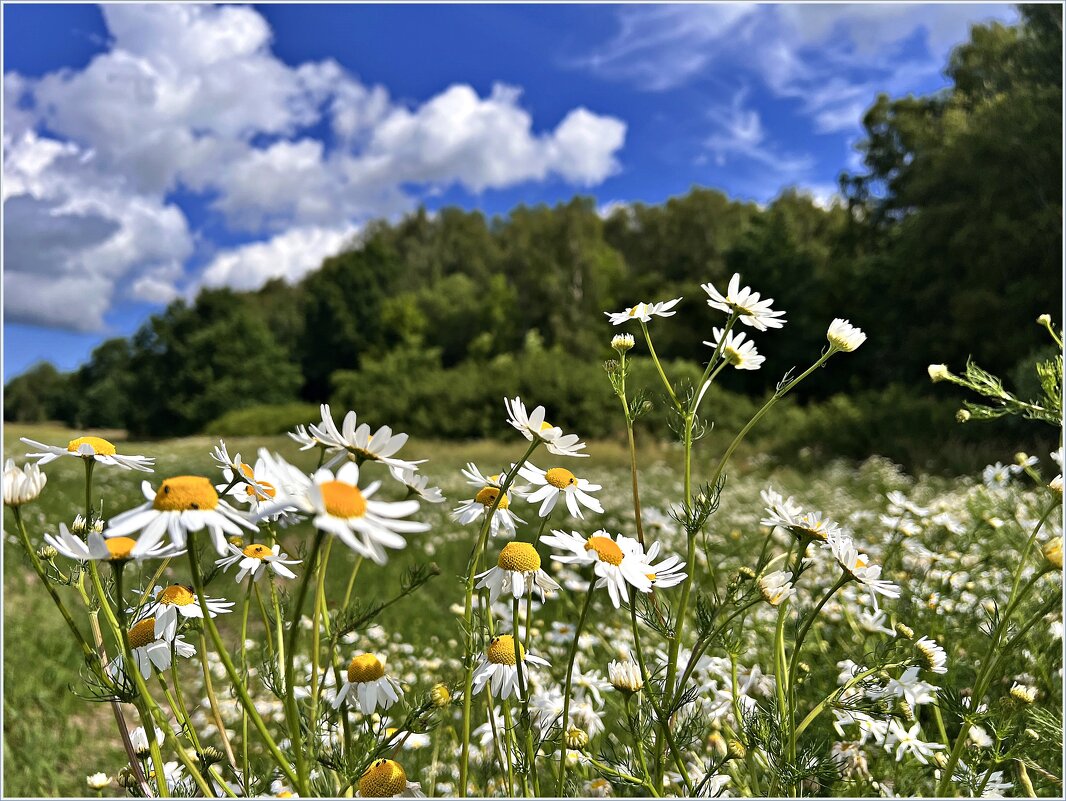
[263, 420]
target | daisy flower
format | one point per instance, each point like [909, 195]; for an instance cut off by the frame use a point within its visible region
[358, 442]
[256, 560]
[615, 566]
[556, 482]
[622, 342]
[385, 778]
[417, 485]
[98, 549]
[347, 512]
[742, 355]
[366, 674]
[857, 566]
[182, 504]
[644, 312]
[517, 572]
[179, 601]
[909, 741]
[89, 448]
[625, 676]
[499, 668]
[776, 587]
[533, 426]
[150, 651]
[22, 486]
[139, 741]
[931, 656]
[842, 335]
[302, 437]
[502, 519]
[251, 485]
[667, 573]
[753, 311]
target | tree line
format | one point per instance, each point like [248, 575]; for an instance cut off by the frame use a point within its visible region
[947, 243]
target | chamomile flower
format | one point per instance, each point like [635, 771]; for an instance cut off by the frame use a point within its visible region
[358, 442]
[931, 656]
[667, 573]
[742, 355]
[625, 676]
[302, 437]
[417, 485]
[343, 509]
[747, 304]
[557, 482]
[857, 566]
[386, 778]
[776, 587]
[253, 485]
[98, 549]
[644, 312]
[181, 505]
[150, 651]
[98, 781]
[94, 448]
[533, 426]
[615, 566]
[499, 667]
[517, 572]
[178, 601]
[909, 741]
[257, 560]
[139, 741]
[366, 677]
[503, 519]
[622, 342]
[22, 485]
[996, 476]
[844, 336]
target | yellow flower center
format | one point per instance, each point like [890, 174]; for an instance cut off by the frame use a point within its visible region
[560, 478]
[343, 500]
[365, 667]
[120, 547]
[519, 556]
[261, 490]
[257, 551]
[546, 425]
[606, 549]
[1053, 552]
[176, 595]
[143, 633]
[100, 446]
[501, 650]
[185, 493]
[383, 779]
[486, 496]
[731, 355]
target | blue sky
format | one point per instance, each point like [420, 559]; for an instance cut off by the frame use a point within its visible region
[154, 149]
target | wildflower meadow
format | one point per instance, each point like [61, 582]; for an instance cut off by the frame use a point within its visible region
[331, 622]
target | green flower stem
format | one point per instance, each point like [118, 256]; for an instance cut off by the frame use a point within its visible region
[319, 603]
[659, 366]
[152, 582]
[351, 582]
[634, 727]
[181, 714]
[244, 677]
[238, 685]
[707, 376]
[530, 772]
[86, 649]
[263, 614]
[565, 720]
[468, 612]
[623, 776]
[212, 701]
[90, 463]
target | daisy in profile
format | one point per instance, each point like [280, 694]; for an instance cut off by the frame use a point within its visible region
[178, 601]
[150, 651]
[776, 587]
[517, 572]
[469, 510]
[253, 485]
[617, 564]
[417, 485]
[386, 778]
[644, 312]
[98, 549]
[87, 448]
[181, 505]
[258, 560]
[742, 355]
[558, 482]
[932, 657]
[857, 566]
[341, 508]
[499, 667]
[366, 678]
[533, 426]
[22, 485]
[842, 335]
[747, 304]
[302, 437]
[358, 442]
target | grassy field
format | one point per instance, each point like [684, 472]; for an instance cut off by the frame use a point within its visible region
[53, 738]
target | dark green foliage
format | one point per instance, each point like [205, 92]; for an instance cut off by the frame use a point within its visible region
[41, 393]
[262, 420]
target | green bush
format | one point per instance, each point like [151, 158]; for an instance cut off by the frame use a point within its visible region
[263, 420]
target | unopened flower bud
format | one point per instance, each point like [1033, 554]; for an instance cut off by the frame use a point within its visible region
[1053, 552]
[718, 745]
[906, 711]
[940, 759]
[745, 573]
[577, 739]
[736, 749]
[962, 416]
[1055, 485]
[1043, 319]
[78, 526]
[938, 372]
[126, 778]
[440, 696]
[1031, 734]
[1022, 694]
[622, 342]
[625, 676]
[47, 553]
[212, 755]
[904, 631]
